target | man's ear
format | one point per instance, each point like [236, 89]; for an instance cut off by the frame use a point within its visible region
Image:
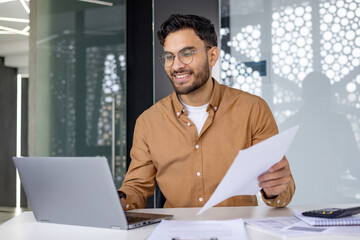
[213, 55]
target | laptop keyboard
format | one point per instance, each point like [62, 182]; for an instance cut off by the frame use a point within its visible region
[136, 219]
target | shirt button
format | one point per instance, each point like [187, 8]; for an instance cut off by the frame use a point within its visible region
[201, 199]
[127, 206]
[178, 114]
[215, 108]
[198, 174]
[189, 124]
[183, 110]
[196, 146]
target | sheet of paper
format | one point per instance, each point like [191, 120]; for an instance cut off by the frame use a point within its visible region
[225, 230]
[315, 221]
[284, 226]
[249, 164]
[292, 226]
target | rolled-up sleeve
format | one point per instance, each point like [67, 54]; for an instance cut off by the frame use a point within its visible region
[283, 199]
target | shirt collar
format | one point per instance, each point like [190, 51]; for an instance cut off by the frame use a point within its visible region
[213, 103]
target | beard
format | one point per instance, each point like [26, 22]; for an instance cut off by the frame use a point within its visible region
[199, 80]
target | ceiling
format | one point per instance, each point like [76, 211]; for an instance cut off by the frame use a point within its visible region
[14, 31]
[13, 9]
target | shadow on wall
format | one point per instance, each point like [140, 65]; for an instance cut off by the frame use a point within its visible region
[324, 157]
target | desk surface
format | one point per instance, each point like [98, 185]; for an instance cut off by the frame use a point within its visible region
[24, 226]
[7, 213]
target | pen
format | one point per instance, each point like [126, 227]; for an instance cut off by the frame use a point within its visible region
[194, 238]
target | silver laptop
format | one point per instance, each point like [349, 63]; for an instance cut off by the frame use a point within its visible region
[76, 191]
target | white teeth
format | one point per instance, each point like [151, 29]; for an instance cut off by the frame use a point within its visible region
[182, 76]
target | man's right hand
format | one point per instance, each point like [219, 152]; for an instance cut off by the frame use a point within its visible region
[123, 203]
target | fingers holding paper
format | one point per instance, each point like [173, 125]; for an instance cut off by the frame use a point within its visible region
[276, 179]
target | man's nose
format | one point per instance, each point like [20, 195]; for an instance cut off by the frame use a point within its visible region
[177, 65]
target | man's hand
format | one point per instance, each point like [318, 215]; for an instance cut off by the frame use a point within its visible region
[123, 203]
[276, 180]
[122, 197]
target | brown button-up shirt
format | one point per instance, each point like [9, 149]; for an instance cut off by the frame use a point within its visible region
[188, 167]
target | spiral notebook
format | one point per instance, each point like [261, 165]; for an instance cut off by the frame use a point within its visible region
[317, 222]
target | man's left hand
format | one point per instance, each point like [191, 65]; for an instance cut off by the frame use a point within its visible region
[276, 180]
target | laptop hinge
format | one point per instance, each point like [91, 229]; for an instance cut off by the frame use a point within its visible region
[44, 221]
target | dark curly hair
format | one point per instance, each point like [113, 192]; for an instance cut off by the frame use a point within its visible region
[203, 28]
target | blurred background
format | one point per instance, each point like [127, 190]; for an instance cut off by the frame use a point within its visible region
[75, 75]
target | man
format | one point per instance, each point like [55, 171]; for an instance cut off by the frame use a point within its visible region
[188, 140]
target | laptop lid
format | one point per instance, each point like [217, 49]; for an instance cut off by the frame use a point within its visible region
[73, 190]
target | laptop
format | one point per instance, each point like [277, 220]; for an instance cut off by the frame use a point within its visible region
[77, 191]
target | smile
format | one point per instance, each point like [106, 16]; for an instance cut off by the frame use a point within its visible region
[182, 76]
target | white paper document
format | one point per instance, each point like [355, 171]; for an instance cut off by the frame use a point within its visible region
[294, 227]
[315, 221]
[249, 164]
[224, 230]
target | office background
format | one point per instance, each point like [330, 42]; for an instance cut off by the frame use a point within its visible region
[94, 68]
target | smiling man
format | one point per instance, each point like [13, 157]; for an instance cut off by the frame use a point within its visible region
[188, 140]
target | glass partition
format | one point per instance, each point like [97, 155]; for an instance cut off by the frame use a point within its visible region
[303, 58]
[80, 106]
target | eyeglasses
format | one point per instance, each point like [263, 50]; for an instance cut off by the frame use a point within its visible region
[186, 56]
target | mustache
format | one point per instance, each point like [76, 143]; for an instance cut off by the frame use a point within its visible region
[181, 71]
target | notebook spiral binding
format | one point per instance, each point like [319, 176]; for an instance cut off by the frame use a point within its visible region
[338, 222]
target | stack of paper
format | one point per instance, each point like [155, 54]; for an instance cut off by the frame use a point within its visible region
[314, 221]
[287, 227]
[224, 230]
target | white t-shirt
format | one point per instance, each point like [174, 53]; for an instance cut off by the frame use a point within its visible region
[197, 115]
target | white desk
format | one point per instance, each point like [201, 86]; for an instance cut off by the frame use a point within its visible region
[24, 226]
